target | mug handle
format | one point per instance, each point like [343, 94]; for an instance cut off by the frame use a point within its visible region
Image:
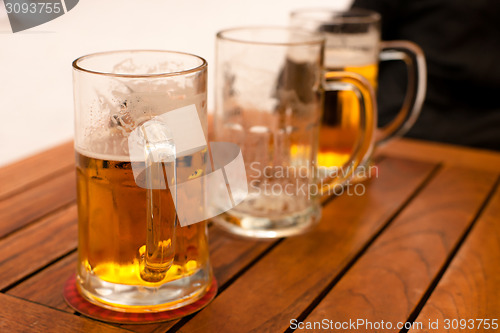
[347, 81]
[413, 56]
[158, 254]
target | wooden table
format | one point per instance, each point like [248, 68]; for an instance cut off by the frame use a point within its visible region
[422, 244]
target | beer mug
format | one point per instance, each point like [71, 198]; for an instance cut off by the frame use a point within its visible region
[269, 90]
[353, 44]
[133, 256]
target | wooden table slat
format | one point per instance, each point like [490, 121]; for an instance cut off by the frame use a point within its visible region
[283, 283]
[25, 207]
[228, 255]
[37, 245]
[376, 256]
[469, 287]
[52, 279]
[435, 152]
[390, 279]
[35, 169]
[22, 316]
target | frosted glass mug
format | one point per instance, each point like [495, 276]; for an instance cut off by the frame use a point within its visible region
[353, 43]
[133, 256]
[270, 84]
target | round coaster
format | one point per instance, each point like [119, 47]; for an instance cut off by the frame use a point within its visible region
[81, 305]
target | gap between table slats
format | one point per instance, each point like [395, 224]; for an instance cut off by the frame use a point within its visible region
[224, 238]
[285, 282]
[34, 170]
[388, 282]
[19, 315]
[468, 288]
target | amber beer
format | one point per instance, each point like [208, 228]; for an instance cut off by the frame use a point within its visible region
[133, 254]
[353, 43]
[112, 222]
[340, 124]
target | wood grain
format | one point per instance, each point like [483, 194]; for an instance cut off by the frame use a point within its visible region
[390, 279]
[22, 316]
[23, 208]
[228, 255]
[47, 286]
[37, 245]
[285, 282]
[478, 159]
[21, 175]
[280, 285]
[469, 287]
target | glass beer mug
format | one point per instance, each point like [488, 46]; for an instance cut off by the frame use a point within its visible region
[270, 85]
[353, 44]
[133, 256]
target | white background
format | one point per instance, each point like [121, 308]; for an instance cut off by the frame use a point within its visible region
[36, 96]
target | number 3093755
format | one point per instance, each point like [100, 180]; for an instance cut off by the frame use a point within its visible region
[33, 8]
[471, 324]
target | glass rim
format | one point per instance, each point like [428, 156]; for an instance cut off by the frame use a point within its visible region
[357, 15]
[78, 67]
[315, 38]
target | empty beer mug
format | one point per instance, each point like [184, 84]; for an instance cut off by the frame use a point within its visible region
[133, 256]
[269, 89]
[353, 44]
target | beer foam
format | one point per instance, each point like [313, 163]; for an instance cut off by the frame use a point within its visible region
[107, 157]
[126, 158]
[337, 58]
[119, 109]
